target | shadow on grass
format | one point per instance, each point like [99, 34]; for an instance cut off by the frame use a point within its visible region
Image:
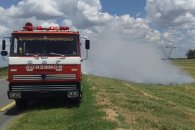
[44, 104]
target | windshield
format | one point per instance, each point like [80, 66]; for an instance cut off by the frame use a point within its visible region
[44, 46]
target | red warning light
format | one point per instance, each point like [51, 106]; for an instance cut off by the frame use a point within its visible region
[64, 28]
[53, 28]
[39, 28]
[28, 26]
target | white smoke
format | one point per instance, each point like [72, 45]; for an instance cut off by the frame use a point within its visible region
[128, 57]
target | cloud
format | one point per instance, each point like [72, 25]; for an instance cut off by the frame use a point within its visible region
[44, 9]
[78, 14]
[86, 16]
[169, 13]
[82, 14]
[175, 19]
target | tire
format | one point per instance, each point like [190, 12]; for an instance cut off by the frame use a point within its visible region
[21, 104]
[79, 99]
[81, 95]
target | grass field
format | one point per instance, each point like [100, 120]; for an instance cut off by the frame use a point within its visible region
[3, 72]
[119, 105]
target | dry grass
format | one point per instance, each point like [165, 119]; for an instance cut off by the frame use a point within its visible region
[114, 111]
[147, 95]
[107, 106]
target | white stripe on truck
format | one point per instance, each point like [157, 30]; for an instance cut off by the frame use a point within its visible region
[43, 60]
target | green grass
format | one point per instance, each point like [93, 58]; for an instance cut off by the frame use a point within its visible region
[64, 117]
[187, 65]
[116, 104]
[3, 72]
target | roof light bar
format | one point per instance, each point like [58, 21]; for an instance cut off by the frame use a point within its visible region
[29, 27]
[64, 28]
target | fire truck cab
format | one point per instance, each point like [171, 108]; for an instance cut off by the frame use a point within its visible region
[44, 62]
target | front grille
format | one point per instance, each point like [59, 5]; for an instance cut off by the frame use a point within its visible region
[67, 87]
[46, 77]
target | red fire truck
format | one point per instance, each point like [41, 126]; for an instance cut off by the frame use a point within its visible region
[44, 62]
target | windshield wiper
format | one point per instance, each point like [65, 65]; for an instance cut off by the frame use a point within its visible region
[56, 54]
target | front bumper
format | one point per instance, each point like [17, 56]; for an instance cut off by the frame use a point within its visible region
[26, 91]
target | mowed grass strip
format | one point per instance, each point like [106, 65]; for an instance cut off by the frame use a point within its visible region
[3, 72]
[70, 116]
[186, 64]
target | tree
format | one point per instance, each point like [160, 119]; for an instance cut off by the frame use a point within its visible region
[190, 54]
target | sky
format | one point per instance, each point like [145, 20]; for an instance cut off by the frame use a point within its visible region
[8, 3]
[163, 23]
[135, 8]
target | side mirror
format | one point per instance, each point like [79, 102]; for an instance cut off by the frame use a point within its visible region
[4, 53]
[87, 44]
[3, 45]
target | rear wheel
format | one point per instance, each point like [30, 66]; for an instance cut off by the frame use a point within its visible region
[21, 104]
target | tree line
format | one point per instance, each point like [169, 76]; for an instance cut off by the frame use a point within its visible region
[190, 54]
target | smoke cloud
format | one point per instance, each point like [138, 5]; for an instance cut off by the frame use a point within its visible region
[128, 57]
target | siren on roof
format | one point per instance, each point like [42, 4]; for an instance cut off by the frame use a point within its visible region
[29, 27]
